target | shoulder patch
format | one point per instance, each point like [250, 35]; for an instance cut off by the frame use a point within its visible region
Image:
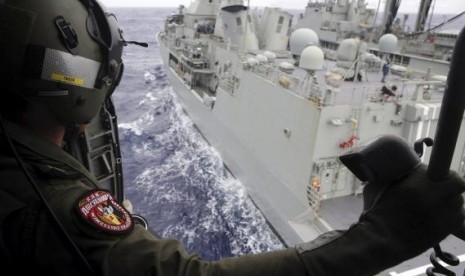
[100, 209]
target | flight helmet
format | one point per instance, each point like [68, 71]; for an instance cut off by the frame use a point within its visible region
[64, 55]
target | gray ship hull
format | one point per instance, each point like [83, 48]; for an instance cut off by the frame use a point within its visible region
[276, 203]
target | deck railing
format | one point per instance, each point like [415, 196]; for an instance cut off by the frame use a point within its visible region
[353, 93]
[317, 91]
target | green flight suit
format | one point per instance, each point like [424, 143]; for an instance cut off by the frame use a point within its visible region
[28, 237]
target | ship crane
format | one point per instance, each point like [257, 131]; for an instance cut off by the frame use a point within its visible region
[392, 7]
[390, 13]
[425, 6]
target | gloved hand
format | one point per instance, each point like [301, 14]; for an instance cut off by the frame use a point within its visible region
[410, 217]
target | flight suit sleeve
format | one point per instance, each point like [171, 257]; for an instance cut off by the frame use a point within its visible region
[138, 252]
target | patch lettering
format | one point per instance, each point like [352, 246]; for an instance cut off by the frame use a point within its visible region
[100, 209]
[67, 79]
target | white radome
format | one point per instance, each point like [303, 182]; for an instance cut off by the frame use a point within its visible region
[388, 43]
[312, 58]
[301, 38]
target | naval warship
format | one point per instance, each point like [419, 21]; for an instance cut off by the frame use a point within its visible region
[281, 112]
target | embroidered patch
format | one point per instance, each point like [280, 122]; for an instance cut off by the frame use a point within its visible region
[100, 208]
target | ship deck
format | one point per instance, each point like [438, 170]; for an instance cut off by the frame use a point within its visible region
[356, 92]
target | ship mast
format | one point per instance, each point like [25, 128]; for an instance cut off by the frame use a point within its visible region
[390, 13]
[425, 5]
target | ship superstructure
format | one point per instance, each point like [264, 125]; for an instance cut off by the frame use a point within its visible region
[280, 117]
[337, 20]
[417, 47]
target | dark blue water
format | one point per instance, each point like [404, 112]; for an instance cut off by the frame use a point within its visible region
[172, 176]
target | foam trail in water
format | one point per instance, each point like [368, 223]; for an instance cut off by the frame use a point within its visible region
[183, 188]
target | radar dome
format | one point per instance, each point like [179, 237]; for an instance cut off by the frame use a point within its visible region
[388, 43]
[348, 49]
[300, 39]
[312, 58]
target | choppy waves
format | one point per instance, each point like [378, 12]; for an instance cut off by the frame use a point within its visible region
[179, 183]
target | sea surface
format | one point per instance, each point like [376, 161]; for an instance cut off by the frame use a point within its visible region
[173, 177]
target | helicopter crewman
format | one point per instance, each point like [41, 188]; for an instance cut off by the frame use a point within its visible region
[59, 61]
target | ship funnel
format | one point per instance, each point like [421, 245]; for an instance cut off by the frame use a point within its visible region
[235, 25]
[388, 43]
[273, 29]
[300, 39]
[201, 8]
[233, 6]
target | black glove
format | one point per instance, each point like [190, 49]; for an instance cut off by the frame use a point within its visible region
[408, 218]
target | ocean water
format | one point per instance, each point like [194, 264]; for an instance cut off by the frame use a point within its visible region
[172, 176]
